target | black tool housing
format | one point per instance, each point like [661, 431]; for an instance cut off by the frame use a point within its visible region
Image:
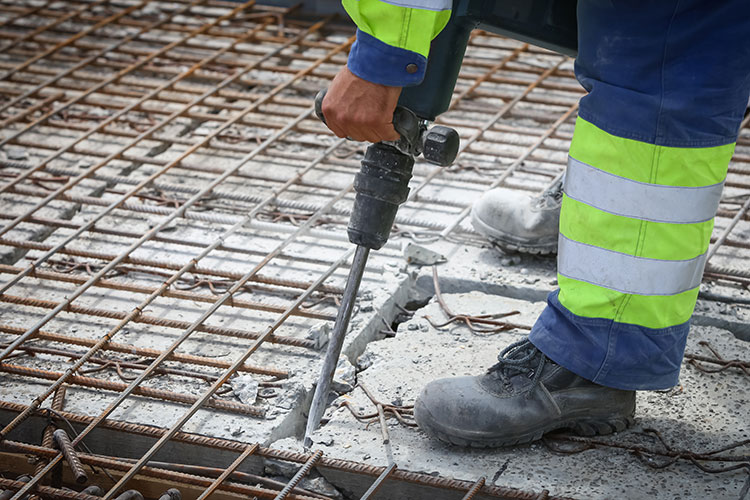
[382, 184]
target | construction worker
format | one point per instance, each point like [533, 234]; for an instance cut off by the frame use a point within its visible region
[667, 86]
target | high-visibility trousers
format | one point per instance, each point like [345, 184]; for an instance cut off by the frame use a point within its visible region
[668, 84]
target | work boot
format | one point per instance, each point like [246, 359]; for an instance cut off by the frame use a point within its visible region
[518, 221]
[522, 397]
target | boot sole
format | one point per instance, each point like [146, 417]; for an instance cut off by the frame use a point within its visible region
[583, 427]
[504, 242]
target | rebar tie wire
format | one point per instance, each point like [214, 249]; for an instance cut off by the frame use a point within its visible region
[404, 414]
[472, 322]
[697, 361]
[670, 455]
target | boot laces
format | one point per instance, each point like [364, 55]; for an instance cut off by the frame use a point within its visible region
[519, 358]
[552, 197]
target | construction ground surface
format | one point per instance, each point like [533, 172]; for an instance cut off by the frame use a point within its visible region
[173, 251]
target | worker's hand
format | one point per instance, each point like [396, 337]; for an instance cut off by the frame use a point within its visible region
[359, 109]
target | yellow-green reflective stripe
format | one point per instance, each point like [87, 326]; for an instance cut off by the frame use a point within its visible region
[643, 162]
[627, 273]
[402, 27]
[659, 311]
[581, 222]
[640, 200]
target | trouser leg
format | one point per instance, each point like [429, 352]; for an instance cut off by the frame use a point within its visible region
[668, 83]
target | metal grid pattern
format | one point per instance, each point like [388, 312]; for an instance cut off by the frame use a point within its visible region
[166, 185]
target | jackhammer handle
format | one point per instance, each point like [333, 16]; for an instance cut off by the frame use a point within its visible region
[319, 105]
[439, 145]
[404, 121]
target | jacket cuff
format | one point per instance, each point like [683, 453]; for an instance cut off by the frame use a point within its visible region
[378, 62]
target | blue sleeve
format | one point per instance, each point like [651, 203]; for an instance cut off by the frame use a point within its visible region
[378, 62]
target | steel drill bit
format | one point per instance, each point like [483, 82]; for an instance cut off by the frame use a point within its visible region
[335, 343]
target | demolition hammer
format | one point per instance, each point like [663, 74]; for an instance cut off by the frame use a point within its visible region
[382, 182]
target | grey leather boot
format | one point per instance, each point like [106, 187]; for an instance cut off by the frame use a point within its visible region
[522, 397]
[519, 221]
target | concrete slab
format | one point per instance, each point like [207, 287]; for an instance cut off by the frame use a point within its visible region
[705, 412]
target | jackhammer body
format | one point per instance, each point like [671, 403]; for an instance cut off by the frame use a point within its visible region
[546, 23]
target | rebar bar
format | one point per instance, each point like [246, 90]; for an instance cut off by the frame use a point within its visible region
[189, 479]
[71, 455]
[242, 477]
[474, 489]
[228, 471]
[145, 352]
[196, 270]
[105, 50]
[301, 473]
[58, 403]
[47, 492]
[374, 487]
[178, 294]
[148, 320]
[110, 385]
[238, 447]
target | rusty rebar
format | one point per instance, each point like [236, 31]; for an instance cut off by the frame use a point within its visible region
[71, 455]
[178, 293]
[214, 472]
[110, 385]
[31, 34]
[301, 473]
[474, 489]
[238, 447]
[670, 454]
[159, 264]
[724, 364]
[138, 310]
[375, 487]
[491, 323]
[58, 403]
[117, 364]
[249, 450]
[48, 492]
[88, 60]
[151, 320]
[145, 352]
[111, 463]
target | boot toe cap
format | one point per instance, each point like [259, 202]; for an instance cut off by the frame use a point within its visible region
[457, 407]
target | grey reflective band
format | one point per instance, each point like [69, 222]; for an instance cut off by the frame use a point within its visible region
[639, 200]
[436, 5]
[626, 273]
